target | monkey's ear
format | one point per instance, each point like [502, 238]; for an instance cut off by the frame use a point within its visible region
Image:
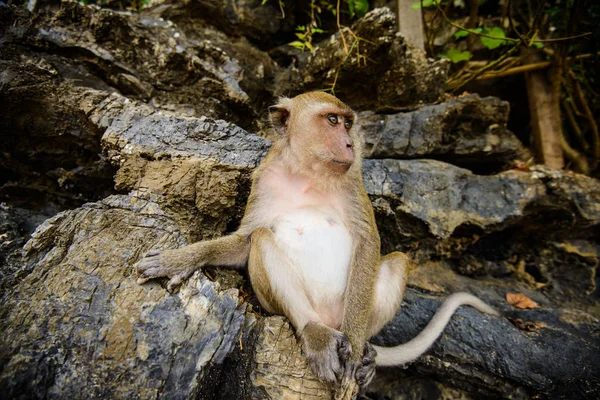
[279, 115]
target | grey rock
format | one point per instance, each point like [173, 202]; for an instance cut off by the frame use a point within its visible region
[429, 198]
[262, 23]
[142, 58]
[466, 131]
[79, 325]
[490, 357]
[50, 152]
[198, 168]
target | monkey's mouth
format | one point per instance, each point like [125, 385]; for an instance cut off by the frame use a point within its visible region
[347, 163]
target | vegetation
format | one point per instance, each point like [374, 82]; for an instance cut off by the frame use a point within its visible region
[493, 39]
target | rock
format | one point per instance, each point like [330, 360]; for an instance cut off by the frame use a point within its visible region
[12, 238]
[262, 23]
[401, 78]
[144, 58]
[275, 369]
[488, 356]
[466, 131]
[79, 325]
[428, 198]
[50, 156]
[198, 168]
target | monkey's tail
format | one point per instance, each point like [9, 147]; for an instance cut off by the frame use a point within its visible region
[410, 351]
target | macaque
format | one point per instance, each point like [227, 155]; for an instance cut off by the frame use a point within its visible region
[312, 248]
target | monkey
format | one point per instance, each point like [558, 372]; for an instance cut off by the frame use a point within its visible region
[309, 239]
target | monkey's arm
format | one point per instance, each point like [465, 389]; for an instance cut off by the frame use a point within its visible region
[360, 293]
[180, 264]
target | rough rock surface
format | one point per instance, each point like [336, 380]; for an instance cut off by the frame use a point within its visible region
[502, 360]
[50, 157]
[467, 131]
[401, 78]
[77, 324]
[144, 58]
[439, 198]
[261, 22]
[199, 168]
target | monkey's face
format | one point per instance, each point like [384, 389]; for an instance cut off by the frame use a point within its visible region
[335, 145]
[319, 128]
[323, 137]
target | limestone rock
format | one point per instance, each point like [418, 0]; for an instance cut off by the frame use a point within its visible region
[429, 198]
[144, 58]
[79, 325]
[466, 131]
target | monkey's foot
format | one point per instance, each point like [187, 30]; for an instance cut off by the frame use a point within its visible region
[366, 372]
[157, 264]
[326, 349]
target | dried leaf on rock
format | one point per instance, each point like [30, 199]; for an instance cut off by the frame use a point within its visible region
[519, 300]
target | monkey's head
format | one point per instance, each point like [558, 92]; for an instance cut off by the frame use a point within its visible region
[318, 130]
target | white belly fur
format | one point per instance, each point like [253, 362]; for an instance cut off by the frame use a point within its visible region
[320, 246]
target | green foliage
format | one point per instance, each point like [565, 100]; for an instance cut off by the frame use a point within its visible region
[358, 8]
[457, 56]
[489, 42]
[305, 33]
[426, 3]
[461, 33]
[493, 43]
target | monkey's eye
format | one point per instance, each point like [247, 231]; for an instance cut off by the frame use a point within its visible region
[333, 119]
[348, 123]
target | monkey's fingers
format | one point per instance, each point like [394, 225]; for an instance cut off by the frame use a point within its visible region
[344, 349]
[176, 280]
[321, 345]
[150, 260]
[151, 273]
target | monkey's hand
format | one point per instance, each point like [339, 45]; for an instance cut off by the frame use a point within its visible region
[326, 349]
[170, 264]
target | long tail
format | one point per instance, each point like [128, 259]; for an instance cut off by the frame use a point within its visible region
[407, 352]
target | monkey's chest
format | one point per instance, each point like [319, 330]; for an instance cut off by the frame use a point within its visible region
[320, 247]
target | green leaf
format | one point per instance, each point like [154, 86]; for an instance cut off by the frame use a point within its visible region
[457, 56]
[310, 46]
[429, 3]
[461, 33]
[539, 45]
[297, 44]
[263, 2]
[493, 43]
[351, 7]
[301, 36]
[316, 30]
[361, 7]
[301, 28]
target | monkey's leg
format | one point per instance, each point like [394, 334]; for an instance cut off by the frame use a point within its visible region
[389, 290]
[281, 290]
[180, 264]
